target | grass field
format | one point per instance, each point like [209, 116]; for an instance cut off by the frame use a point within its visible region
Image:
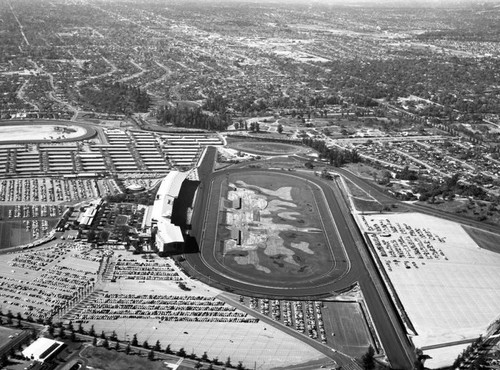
[484, 239]
[263, 147]
[282, 236]
[100, 358]
[347, 321]
[363, 205]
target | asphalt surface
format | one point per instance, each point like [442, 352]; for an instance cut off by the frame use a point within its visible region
[360, 269]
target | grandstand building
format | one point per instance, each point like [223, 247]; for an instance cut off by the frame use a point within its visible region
[168, 236]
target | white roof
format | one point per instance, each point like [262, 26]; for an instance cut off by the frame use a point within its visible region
[162, 208]
[171, 184]
[39, 347]
[169, 233]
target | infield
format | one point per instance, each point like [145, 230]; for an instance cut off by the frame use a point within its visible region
[270, 229]
[266, 147]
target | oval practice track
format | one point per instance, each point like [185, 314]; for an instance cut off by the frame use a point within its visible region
[31, 137]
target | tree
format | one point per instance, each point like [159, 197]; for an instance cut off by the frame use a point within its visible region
[80, 329]
[157, 346]
[105, 343]
[4, 360]
[9, 317]
[113, 336]
[228, 362]
[72, 336]
[50, 329]
[127, 349]
[151, 355]
[117, 346]
[145, 344]
[134, 340]
[240, 366]
[368, 359]
[181, 352]
[280, 128]
[103, 336]
[204, 357]
[168, 351]
[94, 341]
[92, 331]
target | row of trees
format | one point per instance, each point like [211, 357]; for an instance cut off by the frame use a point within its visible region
[471, 357]
[337, 157]
[112, 342]
[193, 118]
[448, 188]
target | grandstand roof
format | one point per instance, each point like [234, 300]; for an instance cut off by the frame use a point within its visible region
[169, 233]
[171, 184]
[162, 208]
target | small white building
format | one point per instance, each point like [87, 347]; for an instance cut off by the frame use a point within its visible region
[42, 349]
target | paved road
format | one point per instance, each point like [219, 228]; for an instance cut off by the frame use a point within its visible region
[361, 267]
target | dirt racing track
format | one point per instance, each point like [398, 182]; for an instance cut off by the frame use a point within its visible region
[270, 267]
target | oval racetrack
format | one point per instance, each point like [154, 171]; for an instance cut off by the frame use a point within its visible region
[210, 264]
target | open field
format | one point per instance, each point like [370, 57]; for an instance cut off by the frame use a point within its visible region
[484, 239]
[346, 324]
[281, 237]
[264, 148]
[100, 358]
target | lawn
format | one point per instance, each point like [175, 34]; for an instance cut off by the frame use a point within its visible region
[347, 321]
[265, 148]
[100, 358]
[484, 239]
